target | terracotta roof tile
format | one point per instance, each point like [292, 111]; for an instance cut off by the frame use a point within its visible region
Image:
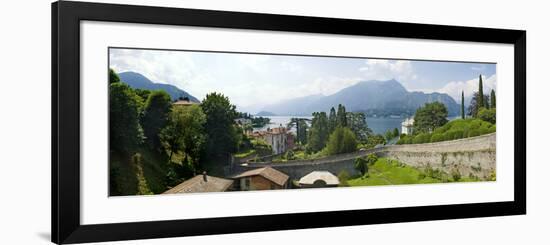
[197, 184]
[269, 173]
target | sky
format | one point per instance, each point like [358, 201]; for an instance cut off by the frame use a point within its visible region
[252, 81]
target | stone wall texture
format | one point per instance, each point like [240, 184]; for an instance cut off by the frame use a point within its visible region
[471, 156]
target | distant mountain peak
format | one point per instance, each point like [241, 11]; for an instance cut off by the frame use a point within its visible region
[387, 97]
[264, 113]
[139, 81]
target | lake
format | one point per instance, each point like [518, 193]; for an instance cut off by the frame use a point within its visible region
[379, 125]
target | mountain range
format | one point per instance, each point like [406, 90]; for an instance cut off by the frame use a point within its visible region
[380, 98]
[136, 80]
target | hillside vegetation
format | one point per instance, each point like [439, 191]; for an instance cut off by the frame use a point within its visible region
[456, 129]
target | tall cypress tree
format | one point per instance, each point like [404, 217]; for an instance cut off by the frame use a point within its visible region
[480, 96]
[341, 116]
[332, 120]
[462, 107]
[493, 99]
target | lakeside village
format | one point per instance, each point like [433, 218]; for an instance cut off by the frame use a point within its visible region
[208, 146]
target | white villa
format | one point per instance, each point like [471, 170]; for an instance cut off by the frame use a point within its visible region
[276, 137]
[279, 138]
[407, 126]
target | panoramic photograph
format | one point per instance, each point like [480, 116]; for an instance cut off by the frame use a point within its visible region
[203, 121]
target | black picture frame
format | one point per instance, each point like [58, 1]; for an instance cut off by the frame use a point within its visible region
[66, 18]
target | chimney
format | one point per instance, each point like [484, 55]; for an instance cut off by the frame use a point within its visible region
[204, 176]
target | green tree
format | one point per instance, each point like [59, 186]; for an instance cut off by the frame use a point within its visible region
[388, 135]
[155, 115]
[395, 132]
[357, 122]
[342, 140]
[332, 121]
[222, 137]
[143, 93]
[113, 77]
[343, 177]
[488, 115]
[341, 117]
[473, 107]
[429, 117]
[301, 133]
[125, 132]
[375, 139]
[301, 129]
[462, 106]
[361, 165]
[318, 134]
[185, 132]
[372, 159]
[493, 99]
[480, 96]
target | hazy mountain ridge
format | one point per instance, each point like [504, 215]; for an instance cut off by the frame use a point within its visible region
[137, 80]
[383, 98]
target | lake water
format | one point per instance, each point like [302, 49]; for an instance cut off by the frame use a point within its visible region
[276, 121]
[378, 125]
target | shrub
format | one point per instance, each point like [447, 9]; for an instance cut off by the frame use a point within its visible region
[289, 155]
[474, 132]
[448, 136]
[488, 115]
[483, 131]
[372, 159]
[436, 137]
[456, 129]
[343, 177]
[429, 171]
[361, 165]
[421, 138]
[456, 174]
[421, 176]
[493, 176]
[404, 139]
[456, 134]
[473, 177]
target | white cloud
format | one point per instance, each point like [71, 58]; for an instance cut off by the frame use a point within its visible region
[252, 81]
[454, 89]
[290, 66]
[325, 85]
[175, 68]
[376, 69]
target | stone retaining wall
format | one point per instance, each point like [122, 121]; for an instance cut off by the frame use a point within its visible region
[475, 156]
[472, 156]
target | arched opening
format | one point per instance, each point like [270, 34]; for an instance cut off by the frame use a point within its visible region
[319, 183]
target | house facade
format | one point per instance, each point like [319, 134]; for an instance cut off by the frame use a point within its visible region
[277, 138]
[280, 139]
[407, 126]
[265, 178]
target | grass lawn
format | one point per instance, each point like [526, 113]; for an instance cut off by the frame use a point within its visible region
[391, 172]
[245, 153]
